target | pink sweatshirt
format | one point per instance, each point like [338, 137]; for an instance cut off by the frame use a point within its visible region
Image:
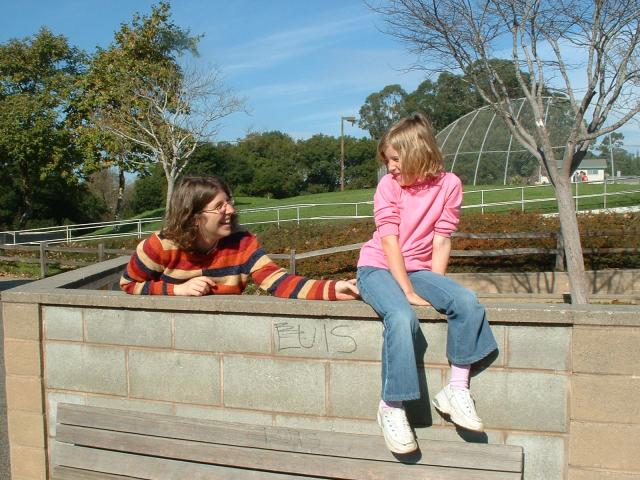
[415, 213]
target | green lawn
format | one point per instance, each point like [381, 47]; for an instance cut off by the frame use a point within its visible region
[473, 196]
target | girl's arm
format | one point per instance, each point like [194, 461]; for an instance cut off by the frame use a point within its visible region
[441, 253]
[391, 249]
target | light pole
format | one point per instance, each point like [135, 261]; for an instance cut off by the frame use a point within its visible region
[342, 119]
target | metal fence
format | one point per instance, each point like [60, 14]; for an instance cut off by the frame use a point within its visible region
[283, 214]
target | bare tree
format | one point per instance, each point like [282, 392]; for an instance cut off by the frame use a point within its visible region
[170, 115]
[545, 39]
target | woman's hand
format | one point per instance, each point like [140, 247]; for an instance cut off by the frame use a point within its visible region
[195, 287]
[347, 290]
[415, 299]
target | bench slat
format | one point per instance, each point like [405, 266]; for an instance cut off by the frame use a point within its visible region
[65, 473]
[435, 453]
[272, 460]
[150, 468]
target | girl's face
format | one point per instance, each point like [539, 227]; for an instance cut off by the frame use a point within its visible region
[215, 218]
[394, 166]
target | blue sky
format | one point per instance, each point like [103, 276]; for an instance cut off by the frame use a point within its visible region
[300, 64]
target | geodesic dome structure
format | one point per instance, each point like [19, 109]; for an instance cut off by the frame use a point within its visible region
[480, 150]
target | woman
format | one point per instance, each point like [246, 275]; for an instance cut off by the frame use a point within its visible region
[200, 251]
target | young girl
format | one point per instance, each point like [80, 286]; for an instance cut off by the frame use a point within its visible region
[416, 209]
[200, 251]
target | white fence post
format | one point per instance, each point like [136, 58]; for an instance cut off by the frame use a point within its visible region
[605, 193]
[522, 199]
[139, 229]
[298, 214]
[482, 200]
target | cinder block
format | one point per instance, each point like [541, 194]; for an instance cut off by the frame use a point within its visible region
[606, 350]
[85, 368]
[605, 398]
[28, 462]
[24, 393]
[544, 456]
[128, 327]
[436, 337]
[605, 445]
[62, 323]
[355, 392]
[334, 339]
[26, 428]
[130, 404]
[223, 333]
[539, 347]
[224, 414]
[21, 320]
[274, 385]
[53, 399]
[177, 377]
[522, 400]
[580, 474]
[22, 357]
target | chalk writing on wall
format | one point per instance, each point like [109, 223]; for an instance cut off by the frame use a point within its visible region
[336, 339]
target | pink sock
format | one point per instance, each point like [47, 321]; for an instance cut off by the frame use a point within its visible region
[390, 404]
[459, 378]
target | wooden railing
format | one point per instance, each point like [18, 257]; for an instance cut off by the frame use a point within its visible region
[293, 256]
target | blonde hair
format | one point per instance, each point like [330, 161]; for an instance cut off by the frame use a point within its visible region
[412, 137]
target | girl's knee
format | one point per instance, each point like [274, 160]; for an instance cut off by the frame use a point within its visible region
[402, 319]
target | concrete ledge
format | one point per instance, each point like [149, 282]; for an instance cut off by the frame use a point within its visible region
[527, 313]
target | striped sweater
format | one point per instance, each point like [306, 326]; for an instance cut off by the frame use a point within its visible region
[159, 264]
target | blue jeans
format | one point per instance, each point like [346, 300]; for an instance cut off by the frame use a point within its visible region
[469, 337]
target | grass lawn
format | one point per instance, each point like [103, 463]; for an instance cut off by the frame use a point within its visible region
[305, 206]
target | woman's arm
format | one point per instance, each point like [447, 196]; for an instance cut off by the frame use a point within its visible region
[391, 249]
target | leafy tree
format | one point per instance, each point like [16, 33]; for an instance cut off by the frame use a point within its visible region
[612, 148]
[272, 156]
[382, 109]
[461, 34]
[361, 163]
[138, 93]
[149, 192]
[318, 156]
[224, 160]
[38, 78]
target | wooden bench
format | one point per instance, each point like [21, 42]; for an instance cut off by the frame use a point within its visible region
[98, 443]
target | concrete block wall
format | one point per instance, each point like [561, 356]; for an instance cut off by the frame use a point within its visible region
[564, 384]
[321, 373]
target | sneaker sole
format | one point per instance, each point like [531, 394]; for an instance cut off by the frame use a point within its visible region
[444, 408]
[394, 448]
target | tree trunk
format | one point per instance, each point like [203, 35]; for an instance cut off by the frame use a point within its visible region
[170, 184]
[120, 198]
[572, 244]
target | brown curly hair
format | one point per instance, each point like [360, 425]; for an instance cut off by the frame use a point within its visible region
[192, 195]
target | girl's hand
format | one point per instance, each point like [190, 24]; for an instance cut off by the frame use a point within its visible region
[347, 290]
[415, 299]
[195, 287]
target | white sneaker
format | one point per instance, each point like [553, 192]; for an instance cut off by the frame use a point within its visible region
[396, 430]
[459, 405]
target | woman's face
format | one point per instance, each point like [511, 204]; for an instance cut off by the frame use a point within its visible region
[215, 218]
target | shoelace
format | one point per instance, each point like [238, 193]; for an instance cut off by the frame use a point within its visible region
[399, 420]
[465, 400]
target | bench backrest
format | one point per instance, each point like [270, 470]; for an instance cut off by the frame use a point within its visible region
[112, 443]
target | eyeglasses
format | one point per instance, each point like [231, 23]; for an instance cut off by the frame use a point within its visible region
[220, 207]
